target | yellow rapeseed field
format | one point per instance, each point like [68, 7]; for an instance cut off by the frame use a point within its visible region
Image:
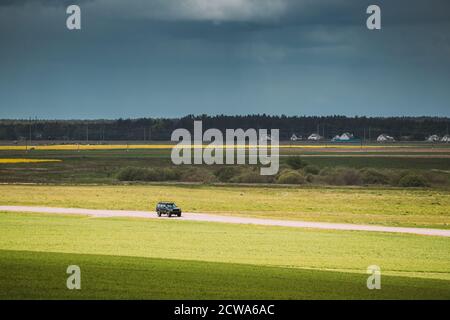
[13, 160]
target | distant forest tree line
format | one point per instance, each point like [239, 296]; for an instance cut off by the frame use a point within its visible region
[146, 129]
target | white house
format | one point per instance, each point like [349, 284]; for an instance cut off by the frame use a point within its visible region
[336, 138]
[433, 138]
[346, 136]
[385, 138]
[315, 137]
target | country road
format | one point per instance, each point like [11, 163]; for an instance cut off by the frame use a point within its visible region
[229, 219]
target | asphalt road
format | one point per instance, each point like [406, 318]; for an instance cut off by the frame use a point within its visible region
[229, 219]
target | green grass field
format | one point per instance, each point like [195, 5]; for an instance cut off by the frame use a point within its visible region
[101, 166]
[393, 207]
[175, 259]
[162, 259]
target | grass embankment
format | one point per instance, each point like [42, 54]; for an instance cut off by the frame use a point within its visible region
[392, 207]
[133, 258]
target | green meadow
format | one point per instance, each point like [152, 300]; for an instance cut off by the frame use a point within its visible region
[383, 206]
[173, 259]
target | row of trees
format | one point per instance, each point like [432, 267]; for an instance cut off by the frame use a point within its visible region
[402, 128]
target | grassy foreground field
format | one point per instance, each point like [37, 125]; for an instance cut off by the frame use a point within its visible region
[134, 258]
[392, 207]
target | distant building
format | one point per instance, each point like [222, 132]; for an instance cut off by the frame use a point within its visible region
[385, 138]
[315, 137]
[433, 138]
[336, 138]
[346, 136]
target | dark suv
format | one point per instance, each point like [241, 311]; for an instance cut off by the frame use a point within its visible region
[168, 208]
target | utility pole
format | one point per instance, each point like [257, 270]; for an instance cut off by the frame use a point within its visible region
[128, 137]
[30, 131]
[447, 136]
[87, 132]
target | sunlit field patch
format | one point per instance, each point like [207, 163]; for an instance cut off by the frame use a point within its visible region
[12, 160]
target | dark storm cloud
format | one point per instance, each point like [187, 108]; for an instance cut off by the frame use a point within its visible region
[167, 57]
[262, 12]
[280, 11]
[50, 3]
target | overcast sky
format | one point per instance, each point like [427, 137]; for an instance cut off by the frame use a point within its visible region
[169, 58]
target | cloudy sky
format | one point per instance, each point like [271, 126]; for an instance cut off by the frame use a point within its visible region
[170, 58]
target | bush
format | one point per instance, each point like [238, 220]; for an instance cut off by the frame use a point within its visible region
[168, 174]
[396, 175]
[413, 180]
[159, 174]
[296, 163]
[147, 174]
[195, 174]
[225, 174]
[436, 178]
[311, 169]
[342, 176]
[129, 174]
[251, 176]
[291, 177]
[373, 176]
[310, 178]
[327, 171]
[350, 177]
